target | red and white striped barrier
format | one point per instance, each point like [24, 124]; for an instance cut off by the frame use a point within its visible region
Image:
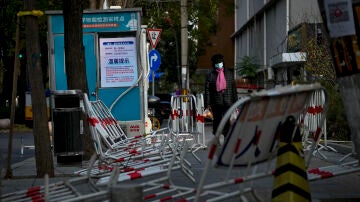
[187, 119]
[333, 170]
[60, 191]
[314, 124]
[253, 137]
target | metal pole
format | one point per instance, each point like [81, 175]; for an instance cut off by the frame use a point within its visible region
[153, 82]
[184, 45]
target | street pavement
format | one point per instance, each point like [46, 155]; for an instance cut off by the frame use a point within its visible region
[343, 188]
[18, 139]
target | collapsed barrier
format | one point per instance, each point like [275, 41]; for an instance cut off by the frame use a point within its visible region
[256, 137]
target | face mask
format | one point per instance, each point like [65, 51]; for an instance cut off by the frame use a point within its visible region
[219, 65]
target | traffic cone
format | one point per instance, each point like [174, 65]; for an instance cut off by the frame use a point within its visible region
[291, 183]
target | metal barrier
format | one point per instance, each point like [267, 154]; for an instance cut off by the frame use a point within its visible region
[312, 121]
[187, 119]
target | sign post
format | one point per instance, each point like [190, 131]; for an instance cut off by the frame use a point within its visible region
[154, 55]
[154, 36]
[154, 61]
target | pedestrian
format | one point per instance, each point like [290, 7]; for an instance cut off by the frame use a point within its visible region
[220, 91]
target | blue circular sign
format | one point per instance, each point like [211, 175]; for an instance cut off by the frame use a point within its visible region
[154, 60]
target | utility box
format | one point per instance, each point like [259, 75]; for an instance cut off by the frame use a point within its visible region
[113, 58]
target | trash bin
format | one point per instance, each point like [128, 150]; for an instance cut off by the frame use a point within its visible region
[67, 126]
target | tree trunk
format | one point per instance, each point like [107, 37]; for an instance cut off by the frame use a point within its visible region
[43, 153]
[75, 58]
[8, 173]
[93, 4]
[348, 74]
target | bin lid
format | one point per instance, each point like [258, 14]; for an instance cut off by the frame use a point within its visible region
[67, 92]
[72, 109]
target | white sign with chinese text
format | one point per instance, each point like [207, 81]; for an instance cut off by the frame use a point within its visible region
[118, 62]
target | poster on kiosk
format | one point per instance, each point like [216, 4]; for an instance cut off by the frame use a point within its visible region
[111, 39]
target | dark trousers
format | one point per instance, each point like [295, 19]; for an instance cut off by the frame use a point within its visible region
[218, 113]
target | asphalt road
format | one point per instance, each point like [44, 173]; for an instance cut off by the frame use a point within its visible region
[19, 138]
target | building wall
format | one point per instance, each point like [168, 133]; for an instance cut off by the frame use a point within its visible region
[241, 13]
[276, 26]
[221, 42]
[261, 29]
[304, 11]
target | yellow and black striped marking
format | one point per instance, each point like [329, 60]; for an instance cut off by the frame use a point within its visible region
[291, 182]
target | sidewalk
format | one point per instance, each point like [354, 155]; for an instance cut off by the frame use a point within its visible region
[24, 175]
[340, 188]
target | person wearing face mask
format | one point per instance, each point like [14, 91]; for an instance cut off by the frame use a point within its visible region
[220, 91]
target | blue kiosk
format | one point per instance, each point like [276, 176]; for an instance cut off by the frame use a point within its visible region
[114, 63]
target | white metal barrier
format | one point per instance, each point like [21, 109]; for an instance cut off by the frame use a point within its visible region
[187, 119]
[312, 120]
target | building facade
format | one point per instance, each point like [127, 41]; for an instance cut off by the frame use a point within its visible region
[262, 29]
[222, 41]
